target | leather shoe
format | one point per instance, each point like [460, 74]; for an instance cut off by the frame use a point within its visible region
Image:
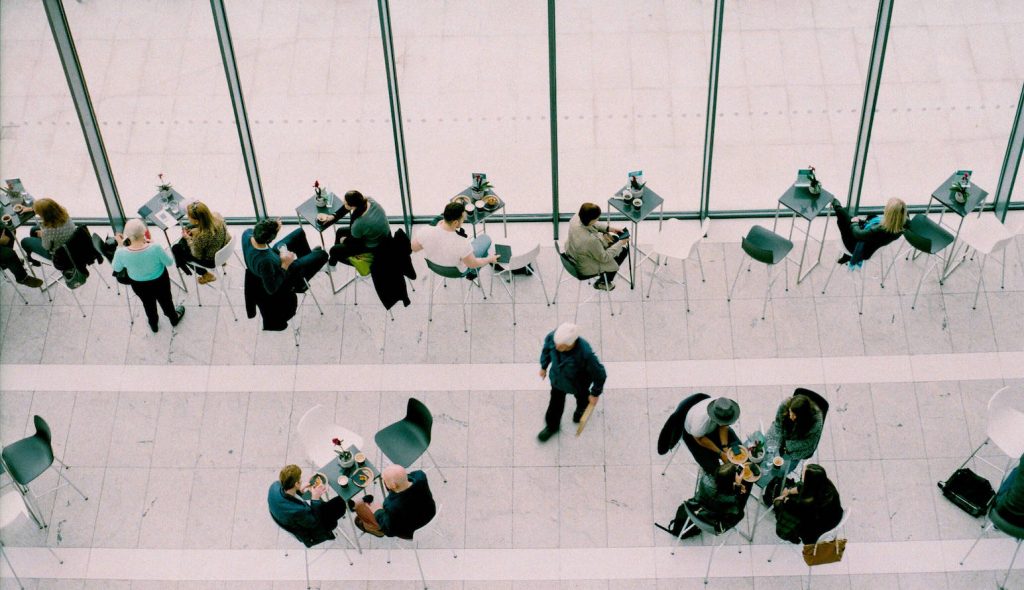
[545, 434]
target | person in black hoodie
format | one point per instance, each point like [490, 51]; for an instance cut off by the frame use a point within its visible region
[808, 509]
[409, 506]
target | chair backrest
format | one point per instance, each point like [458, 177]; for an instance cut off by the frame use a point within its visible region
[524, 259]
[221, 257]
[314, 432]
[1005, 420]
[418, 414]
[834, 531]
[918, 242]
[448, 272]
[42, 430]
[815, 397]
[704, 525]
[755, 251]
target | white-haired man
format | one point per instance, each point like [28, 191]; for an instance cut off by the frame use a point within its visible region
[574, 369]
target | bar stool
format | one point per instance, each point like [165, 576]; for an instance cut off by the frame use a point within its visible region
[768, 247]
[928, 237]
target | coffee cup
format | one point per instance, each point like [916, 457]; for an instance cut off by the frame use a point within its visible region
[6, 218]
[360, 458]
[342, 480]
[778, 461]
[638, 203]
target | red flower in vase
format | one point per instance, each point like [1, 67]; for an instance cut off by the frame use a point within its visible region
[337, 442]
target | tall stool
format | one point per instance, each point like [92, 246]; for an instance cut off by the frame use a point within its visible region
[768, 247]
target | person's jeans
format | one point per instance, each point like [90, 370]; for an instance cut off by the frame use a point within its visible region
[10, 261]
[481, 245]
[34, 245]
[307, 263]
[553, 417]
[157, 291]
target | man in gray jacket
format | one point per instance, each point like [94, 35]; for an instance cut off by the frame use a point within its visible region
[595, 246]
[574, 369]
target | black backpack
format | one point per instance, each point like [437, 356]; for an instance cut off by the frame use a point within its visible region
[968, 490]
[677, 524]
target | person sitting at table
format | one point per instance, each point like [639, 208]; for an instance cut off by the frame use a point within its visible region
[808, 509]
[200, 242]
[9, 260]
[708, 422]
[147, 265]
[720, 499]
[445, 245]
[368, 226]
[312, 521]
[291, 269]
[863, 237]
[1009, 501]
[409, 506]
[591, 246]
[797, 427]
[54, 230]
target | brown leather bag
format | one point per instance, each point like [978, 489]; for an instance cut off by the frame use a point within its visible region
[824, 552]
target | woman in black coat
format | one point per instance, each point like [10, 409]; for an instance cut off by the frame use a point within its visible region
[862, 237]
[809, 509]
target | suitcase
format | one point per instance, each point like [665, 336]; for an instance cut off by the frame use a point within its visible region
[968, 490]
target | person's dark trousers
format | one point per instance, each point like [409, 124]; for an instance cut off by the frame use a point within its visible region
[845, 227]
[183, 256]
[307, 263]
[332, 510]
[346, 249]
[610, 276]
[553, 417]
[9, 260]
[157, 291]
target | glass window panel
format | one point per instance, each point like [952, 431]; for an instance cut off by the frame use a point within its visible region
[790, 91]
[632, 92]
[42, 141]
[156, 77]
[317, 97]
[474, 88]
[949, 88]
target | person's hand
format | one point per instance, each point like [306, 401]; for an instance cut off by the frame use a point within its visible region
[593, 399]
[543, 373]
[317, 490]
[4, 239]
[615, 230]
[493, 259]
[287, 258]
[185, 231]
[119, 238]
[18, 208]
[723, 456]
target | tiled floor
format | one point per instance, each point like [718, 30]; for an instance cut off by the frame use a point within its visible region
[175, 436]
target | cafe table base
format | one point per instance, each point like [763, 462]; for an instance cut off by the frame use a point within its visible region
[801, 274]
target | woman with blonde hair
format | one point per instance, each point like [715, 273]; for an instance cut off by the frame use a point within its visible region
[200, 240]
[54, 230]
[147, 268]
[862, 237]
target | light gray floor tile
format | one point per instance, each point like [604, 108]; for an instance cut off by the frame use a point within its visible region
[534, 514]
[363, 340]
[628, 506]
[898, 421]
[839, 325]
[582, 511]
[223, 429]
[167, 498]
[909, 490]
[796, 325]
[665, 330]
[123, 495]
[192, 339]
[752, 337]
[863, 493]
[234, 343]
[490, 436]
[266, 430]
[528, 421]
[970, 329]
[107, 341]
[492, 335]
[621, 337]
[941, 410]
[211, 507]
[708, 329]
[852, 423]
[882, 326]
[134, 429]
[66, 342]
[31, 323]
[488, 512]
[178, 428]
[15, 419]
[251, 529]
[89, 430]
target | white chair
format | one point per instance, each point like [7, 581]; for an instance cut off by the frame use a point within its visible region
[220, 262]
[1016, 227]
[986, 236]
[706, 527]
[451, 272]
[830, 535]
[11, 508]
[519, 262]
[1004, 428]
[677, 241]
[316, 430]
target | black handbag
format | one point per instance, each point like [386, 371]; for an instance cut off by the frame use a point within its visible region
[968, 490]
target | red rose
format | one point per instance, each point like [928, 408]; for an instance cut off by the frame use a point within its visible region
[335, 441]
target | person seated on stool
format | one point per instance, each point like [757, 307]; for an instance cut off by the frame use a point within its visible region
[312, 521]
[446, 244]
[1010, 498]
[808, 509]
[292, 268]
[720, 498]
[204, 236]
[54, 230]
[9, 261]
[591, 245]
[368, 226]
[575, 370]
[862, 237]
[797, 427]
[147, 266]
[708, 422]
[409, 506]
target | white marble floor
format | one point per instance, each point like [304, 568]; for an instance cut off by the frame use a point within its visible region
[175, 436]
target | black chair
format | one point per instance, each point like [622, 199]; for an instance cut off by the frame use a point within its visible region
[997, 521]
[569, 266]
[706, 526]
[768, 247]
[673, 431]
[822, 404]
[307, 544]
[406, 440]
[927, 237]
[27, 459]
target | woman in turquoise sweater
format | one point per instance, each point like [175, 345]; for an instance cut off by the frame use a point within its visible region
[147, 265]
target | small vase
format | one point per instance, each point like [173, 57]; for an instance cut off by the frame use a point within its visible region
[320, 201]
[814, 189]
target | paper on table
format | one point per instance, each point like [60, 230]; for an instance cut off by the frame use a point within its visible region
[164, 218]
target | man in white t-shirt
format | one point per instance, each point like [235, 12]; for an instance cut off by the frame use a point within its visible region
[709, 421]
[444, 246]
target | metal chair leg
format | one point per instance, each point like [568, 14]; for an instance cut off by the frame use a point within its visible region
[543, 289]
[8, 560]
[436, 466]
[739, 270]
[670, 459]
[305, 555]
[558, 285]
[14, 285]
[430, 299]
[416, 552]
[976, 541]
[1010, 569]
[61, 475]
[981, 279]
[313, 295]
[686, 285]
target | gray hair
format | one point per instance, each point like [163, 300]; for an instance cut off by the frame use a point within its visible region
[135, 229]
[566, 334]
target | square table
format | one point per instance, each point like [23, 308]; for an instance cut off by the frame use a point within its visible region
[308, 210]
[651, 201]
[7, 203]
[975, 200]
[802, 203]
[333, 469]
[165, 210]
[480, 215]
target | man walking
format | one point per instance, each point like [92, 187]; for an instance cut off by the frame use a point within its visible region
[575, 370]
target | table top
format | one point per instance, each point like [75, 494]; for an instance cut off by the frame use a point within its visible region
[332, 470]
[7, 203]
[17, 219]
[308, 211]
[975, 197]
[479, 215]
[799, 200]
[651, 201]
[771, 450]
[160, 202]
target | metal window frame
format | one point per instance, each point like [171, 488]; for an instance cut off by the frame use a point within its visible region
[712, 108]
[1011, 162]
[553, 115]
[65, 44]
[227, 54]
[395, 103]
